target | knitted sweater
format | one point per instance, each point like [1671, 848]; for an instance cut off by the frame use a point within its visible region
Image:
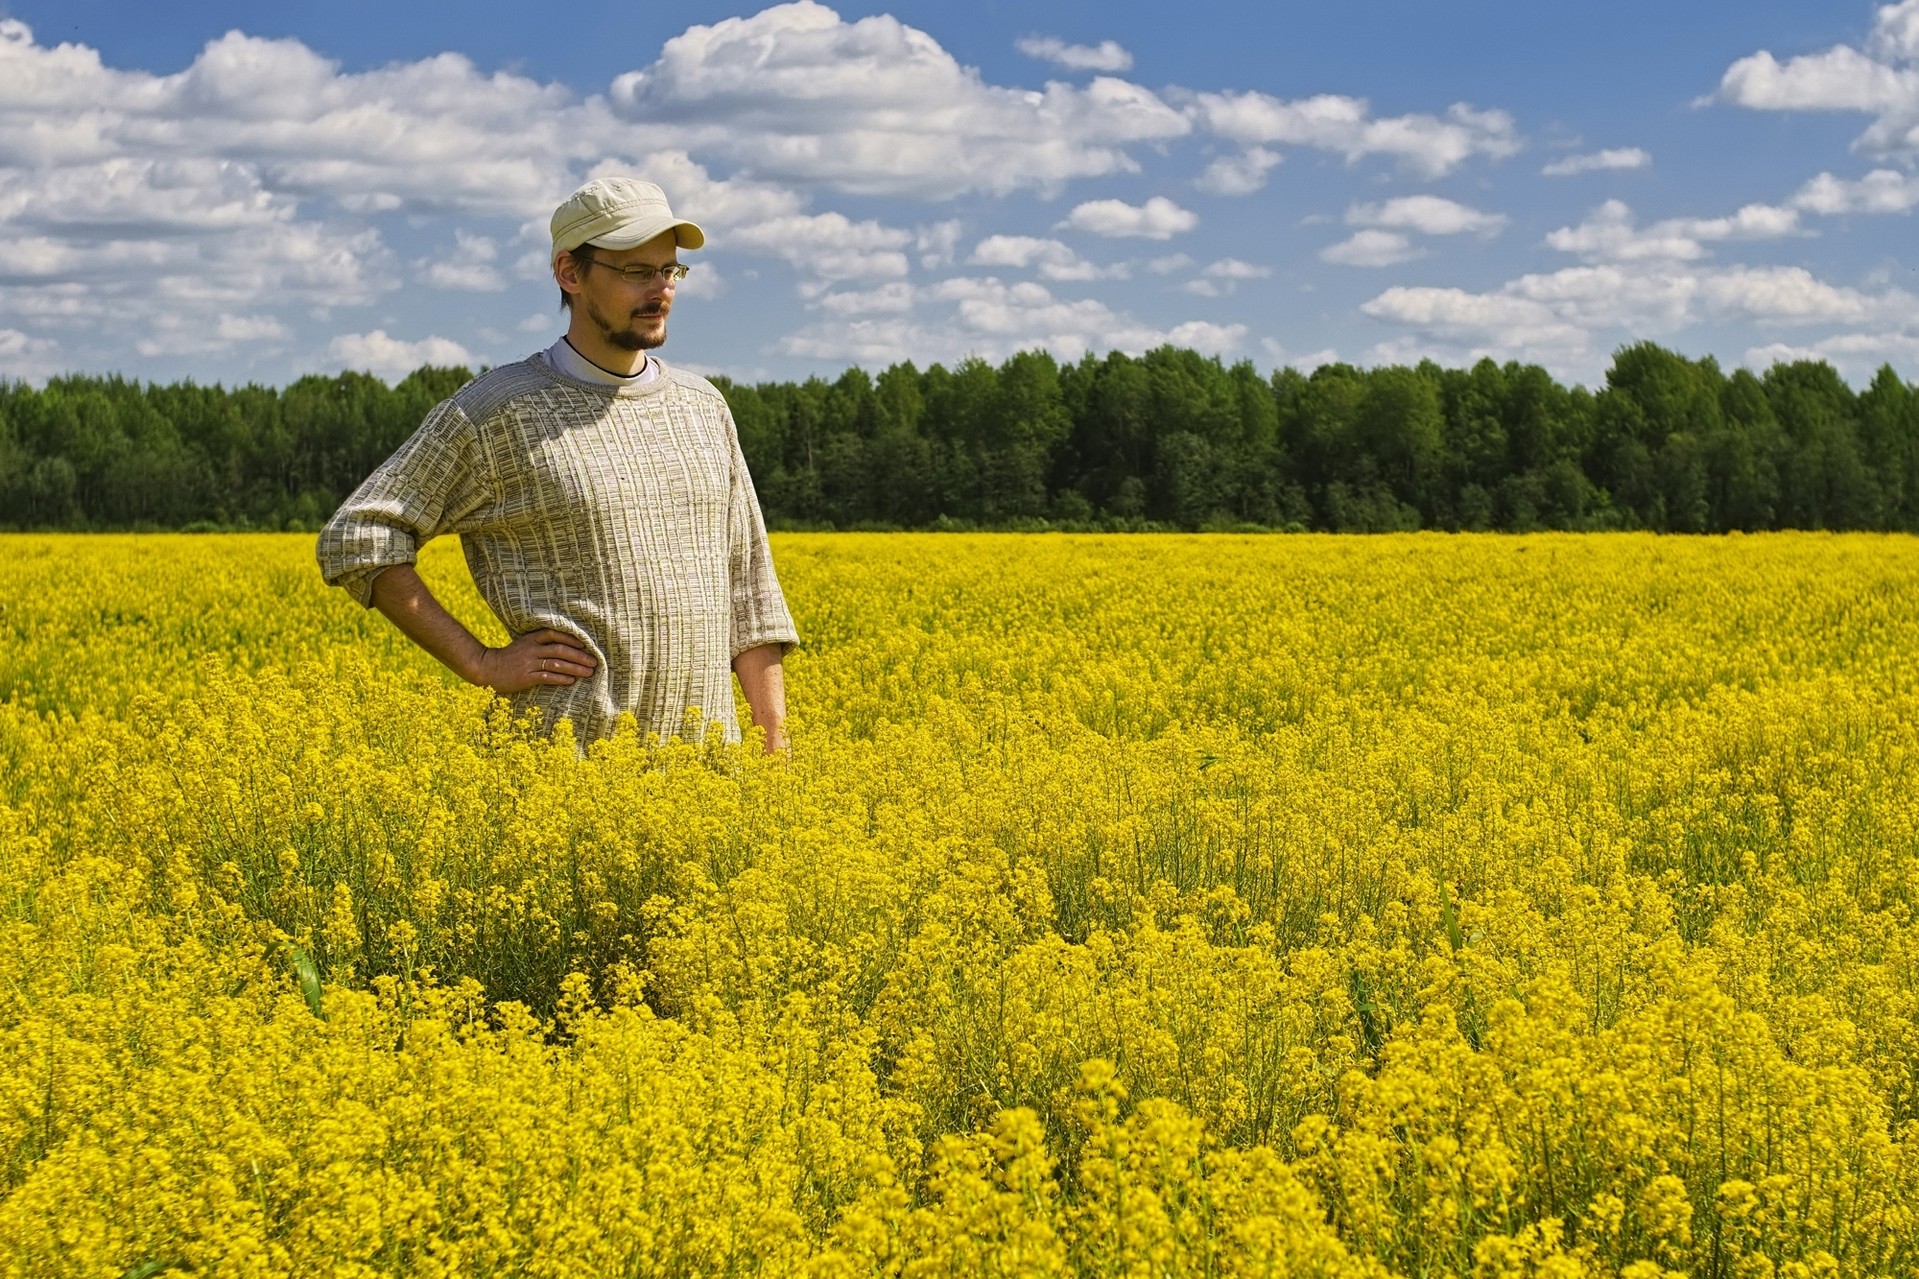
[623, 516]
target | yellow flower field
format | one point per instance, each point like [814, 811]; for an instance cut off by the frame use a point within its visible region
[1133, 905]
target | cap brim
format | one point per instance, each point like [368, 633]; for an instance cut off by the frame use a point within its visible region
[689, 235]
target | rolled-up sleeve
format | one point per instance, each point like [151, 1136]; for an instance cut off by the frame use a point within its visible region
[432, 484]
[760, 614]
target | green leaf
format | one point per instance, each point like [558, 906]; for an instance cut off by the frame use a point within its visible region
[1451, 920]
[307, 973]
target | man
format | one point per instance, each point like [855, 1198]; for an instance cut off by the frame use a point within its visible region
[602, 502]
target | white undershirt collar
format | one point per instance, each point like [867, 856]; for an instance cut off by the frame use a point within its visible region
[563, 359]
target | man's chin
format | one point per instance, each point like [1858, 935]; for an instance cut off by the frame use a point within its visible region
[646, 335]
[638, 339]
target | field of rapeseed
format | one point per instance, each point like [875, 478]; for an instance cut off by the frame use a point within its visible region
[1289, 906]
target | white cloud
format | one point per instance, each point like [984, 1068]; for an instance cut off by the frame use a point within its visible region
[1426, 214]
[1234, 269]
[1560, 317]
[1051, 258]
[1170, 263]
[469, 269]
[1881, 191]
[1599, 162]
[829, 246]
[1158, 219]
[1371, 248]
[1240, 174]
[538, 322]
[1840, 79]
[937, 242]
[1426, 145]
[26, 357]
[1880, 81]
[1793, 295]
[392, 358]
[251, 328]
[1655, 300]
[1482, 323]
[191, 278]
[993, 319]
[1610, 234]
[890, 299]
[1856, 355]
[433, 134]
[1225, 276]
[1305, 363]
[1104, 56]
[877, 107]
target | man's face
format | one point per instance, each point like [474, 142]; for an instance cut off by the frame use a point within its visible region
[628, 315]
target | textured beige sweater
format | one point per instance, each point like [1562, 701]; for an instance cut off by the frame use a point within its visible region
[623, 516]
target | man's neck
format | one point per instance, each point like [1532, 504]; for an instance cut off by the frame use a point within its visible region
[617, 360]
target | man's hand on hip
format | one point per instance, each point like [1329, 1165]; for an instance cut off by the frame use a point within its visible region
[532, 660]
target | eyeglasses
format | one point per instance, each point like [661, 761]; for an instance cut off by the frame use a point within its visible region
[642, 273]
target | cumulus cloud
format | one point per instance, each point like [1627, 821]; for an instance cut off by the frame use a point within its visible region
[1881, 191]
[1234, 269]
[1856, 355]
[993, 319]
[1563, 318]
[1429, 146]
[1104, 56]
[469, 269]
[937, 241]
[1566, 318]
[1305, 362]
[169, 334]
[890, 299]
[1240, 174]
[877, 107]
[433, 134]
[1426, 214]
[1372, 248]
[25, 356]
[1225, 276]
[160, 212]
[1158, 219]
[250, 177]
[1498, 324]
[251, 328]
[1793, 295]
[1051, 258]
[1599, 162]
[231, 205]
[1880, 81]
[392, 358]
[828, 247]
[1610, 233]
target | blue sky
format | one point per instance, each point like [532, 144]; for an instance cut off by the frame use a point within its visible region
[249, 193]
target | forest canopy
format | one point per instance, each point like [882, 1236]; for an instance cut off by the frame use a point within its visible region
[1170, 439]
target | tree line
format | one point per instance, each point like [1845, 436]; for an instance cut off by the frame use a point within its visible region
[1170, 439]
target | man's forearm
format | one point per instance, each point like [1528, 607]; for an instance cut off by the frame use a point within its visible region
[400, 593]
[763, 680]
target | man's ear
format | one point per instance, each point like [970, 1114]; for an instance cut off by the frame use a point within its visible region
[566, 272]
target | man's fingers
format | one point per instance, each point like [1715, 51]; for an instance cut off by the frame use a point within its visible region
[568, 657]
[550, 636]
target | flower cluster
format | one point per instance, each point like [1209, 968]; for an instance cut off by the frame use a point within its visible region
[1295, 906]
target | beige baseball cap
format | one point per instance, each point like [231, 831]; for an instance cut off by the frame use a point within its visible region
[618, 213]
